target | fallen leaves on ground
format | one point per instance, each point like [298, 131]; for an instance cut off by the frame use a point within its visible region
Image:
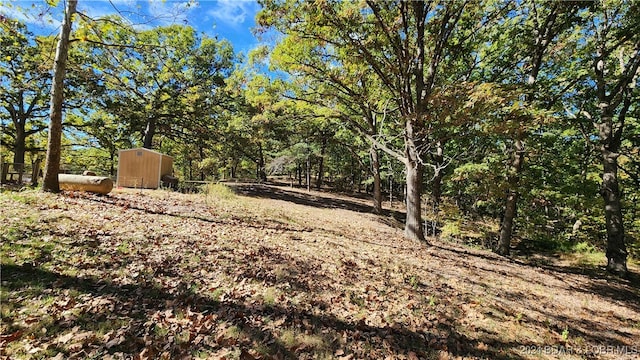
[278, 273]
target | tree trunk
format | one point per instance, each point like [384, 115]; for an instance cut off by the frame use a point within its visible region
[353, 176]
[149, 132]
[52, 167]
[414, 169]
[611, 140]
[510, 209]
[35, 172]
[234, 169]
[323, 150]
[261, 173]
[616, 248]
[436, 183]
[112, 161]
[201, 154]
[308, 173]
[413, 226]
[18, 151]
[377, 181]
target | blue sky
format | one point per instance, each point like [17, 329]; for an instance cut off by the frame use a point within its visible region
[229, 19]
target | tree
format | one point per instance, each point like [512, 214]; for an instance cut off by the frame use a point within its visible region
[161, 80]
[540, 26]
[106, 135]
[52, 165]
[612, 54]
[25, 76]
[364, 118]
[402, 44]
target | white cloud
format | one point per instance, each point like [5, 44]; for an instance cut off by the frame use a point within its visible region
[233, 12]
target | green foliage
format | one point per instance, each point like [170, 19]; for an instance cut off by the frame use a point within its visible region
[451, 229]
[25, 64]
[584, 247]
[477, 187]
[218, 191]
[162, 81]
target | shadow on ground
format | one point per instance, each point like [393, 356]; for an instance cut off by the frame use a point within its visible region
[159, 207]
[140, 304]
[180, 321]
[309, 199]
[597, 280]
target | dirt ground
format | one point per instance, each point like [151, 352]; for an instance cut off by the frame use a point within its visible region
[273, 272]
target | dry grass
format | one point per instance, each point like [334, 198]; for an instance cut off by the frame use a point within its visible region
[281, 273]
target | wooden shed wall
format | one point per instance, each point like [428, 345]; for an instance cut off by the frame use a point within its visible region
[139, 168]
[167, 165]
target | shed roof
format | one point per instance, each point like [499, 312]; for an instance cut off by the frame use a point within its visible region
[145, 149]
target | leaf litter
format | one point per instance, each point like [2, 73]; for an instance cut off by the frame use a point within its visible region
[279, 273]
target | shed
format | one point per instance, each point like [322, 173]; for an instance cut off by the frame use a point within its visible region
[142, 168]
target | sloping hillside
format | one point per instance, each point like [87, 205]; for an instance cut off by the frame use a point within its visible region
[274, 272]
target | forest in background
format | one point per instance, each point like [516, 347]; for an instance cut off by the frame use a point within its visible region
[502, 123]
